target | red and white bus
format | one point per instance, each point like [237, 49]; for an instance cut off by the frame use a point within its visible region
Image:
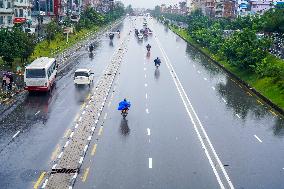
[40, 74]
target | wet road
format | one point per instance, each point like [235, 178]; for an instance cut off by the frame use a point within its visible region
[162, 143]
[158, 147]
[32, 135]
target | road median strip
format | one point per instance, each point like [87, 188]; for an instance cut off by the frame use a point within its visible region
[75, 151]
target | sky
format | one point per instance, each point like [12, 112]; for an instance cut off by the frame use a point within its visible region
[148, 3]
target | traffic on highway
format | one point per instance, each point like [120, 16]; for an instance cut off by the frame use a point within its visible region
[139, 108]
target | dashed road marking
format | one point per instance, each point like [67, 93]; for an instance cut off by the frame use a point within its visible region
[258, 101]
[145, 69]
[86, 174]
[205, 78]
[105, 116]
[100, 131]
[16, 134]
[146, 95]
[238, 115]
[145, 84]
[37, 113]
[150, 163]
[147, 110]
[148, 132]
[67, 133]
[249, 93]
[60, 155]
[109, 104]
[72, 133]
[213, 88]
[39, 180]
[271, 111]
[258, 138]
[224, 100]
[94, 150]
[198, 71]
[145, 76]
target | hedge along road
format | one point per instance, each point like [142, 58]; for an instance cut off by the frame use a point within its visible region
[32, 136]
[158, 146]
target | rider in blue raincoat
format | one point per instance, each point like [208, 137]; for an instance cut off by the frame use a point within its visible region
[124, 105]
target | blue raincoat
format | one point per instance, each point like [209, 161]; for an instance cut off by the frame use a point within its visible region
[123, 105]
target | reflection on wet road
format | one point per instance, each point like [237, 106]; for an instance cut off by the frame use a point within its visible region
[189, 124]
[31, 135]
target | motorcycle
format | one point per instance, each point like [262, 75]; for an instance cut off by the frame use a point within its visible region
[157, 65]
[124, 113]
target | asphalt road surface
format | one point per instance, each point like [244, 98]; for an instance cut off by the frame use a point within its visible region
[190, 125]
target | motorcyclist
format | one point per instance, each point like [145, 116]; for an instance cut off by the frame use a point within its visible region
[148, 47]
[124, 106]
[157, 61]
[91, 48]
[111, 36]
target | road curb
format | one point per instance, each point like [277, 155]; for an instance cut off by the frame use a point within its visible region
[245, 84]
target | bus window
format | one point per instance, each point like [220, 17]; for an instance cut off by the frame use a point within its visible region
[35, 73]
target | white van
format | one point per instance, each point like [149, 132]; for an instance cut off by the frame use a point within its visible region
[40, 74]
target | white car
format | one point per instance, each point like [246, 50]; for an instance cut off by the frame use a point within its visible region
[83, 77]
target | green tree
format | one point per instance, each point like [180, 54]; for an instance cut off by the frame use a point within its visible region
[51, 30]
[245, 50]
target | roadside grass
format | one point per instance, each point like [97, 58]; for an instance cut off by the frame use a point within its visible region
[270, 87]
[59, 44]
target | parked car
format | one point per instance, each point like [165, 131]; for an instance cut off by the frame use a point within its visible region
[83, 77]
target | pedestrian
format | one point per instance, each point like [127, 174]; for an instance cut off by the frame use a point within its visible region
[4, 84]
[8, 83]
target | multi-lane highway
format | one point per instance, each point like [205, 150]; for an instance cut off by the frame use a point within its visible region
[190, 125]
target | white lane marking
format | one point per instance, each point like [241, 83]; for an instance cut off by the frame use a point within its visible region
[83, 112]
[80, 119]
[45, 183]
[150, 163]
[37, 113]
[60, 155]
[187, 103]
[145, 69]
[145, 76]
[205, 78]
[105, 116]
[193, 65]
[146, 95]
[213, 88]
[238, 116]
[148, 132]
[198, 71]
[258, 138]
[147, 111]
[66, 144]
[224, 100]
[146, 84]
[109, 104]
[16, 134]
[71, 135]
[53, 167]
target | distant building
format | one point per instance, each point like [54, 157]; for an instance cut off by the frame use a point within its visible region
[261, 6]
[15, 12]
[6, 14]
